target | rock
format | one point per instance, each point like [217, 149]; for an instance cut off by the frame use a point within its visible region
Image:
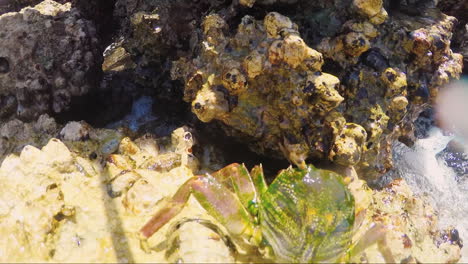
[15, 134]
[266, 85]
[411, 225]
[458, 9]
[78, 136]
[455, 156]
[424, 123]
[48, 55]
[100, 12]
[75, 131]
[60, 204]
[15, 5]
[154, 33]
[231, 79]
[118, 88]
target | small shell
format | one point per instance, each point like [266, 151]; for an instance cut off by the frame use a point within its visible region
[209, 104]
[274, 22]
[356, 44]
[253, 64]
[235, 81]
[294, 50]
[275, 52]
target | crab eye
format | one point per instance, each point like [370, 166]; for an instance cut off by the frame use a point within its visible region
[197, 106]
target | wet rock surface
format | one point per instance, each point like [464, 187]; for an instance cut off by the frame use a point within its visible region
[414, 234]
[267, 86]
[424, 123]
[48, 55]
[455, 157]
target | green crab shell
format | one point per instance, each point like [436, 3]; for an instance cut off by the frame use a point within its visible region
[307, 215]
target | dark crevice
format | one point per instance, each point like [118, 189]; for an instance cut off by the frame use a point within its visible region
[332, 67]
[4, 65]
[235, 150]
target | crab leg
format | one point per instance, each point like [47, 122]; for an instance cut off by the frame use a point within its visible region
[259, 179]
[215, 198]
[237, 176]
[168, 211]
[376, 234]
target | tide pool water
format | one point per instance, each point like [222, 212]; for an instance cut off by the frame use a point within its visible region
[429, 176]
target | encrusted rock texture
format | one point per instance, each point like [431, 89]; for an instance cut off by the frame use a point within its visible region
[48, 55]
[459, 10]
[344, 97]
[15, 134]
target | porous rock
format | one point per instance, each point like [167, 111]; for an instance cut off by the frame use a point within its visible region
[48, 55]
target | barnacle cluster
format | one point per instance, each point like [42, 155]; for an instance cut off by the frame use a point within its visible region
[266, 85]
[264, 82]
[389, 82]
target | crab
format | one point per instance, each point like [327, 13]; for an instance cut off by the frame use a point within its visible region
[305, 215]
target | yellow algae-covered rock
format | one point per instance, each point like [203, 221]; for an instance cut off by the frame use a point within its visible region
[60, 206]
[265, 84]
[33, 201]
[274, 22]
[322, 88]
[355, 44]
